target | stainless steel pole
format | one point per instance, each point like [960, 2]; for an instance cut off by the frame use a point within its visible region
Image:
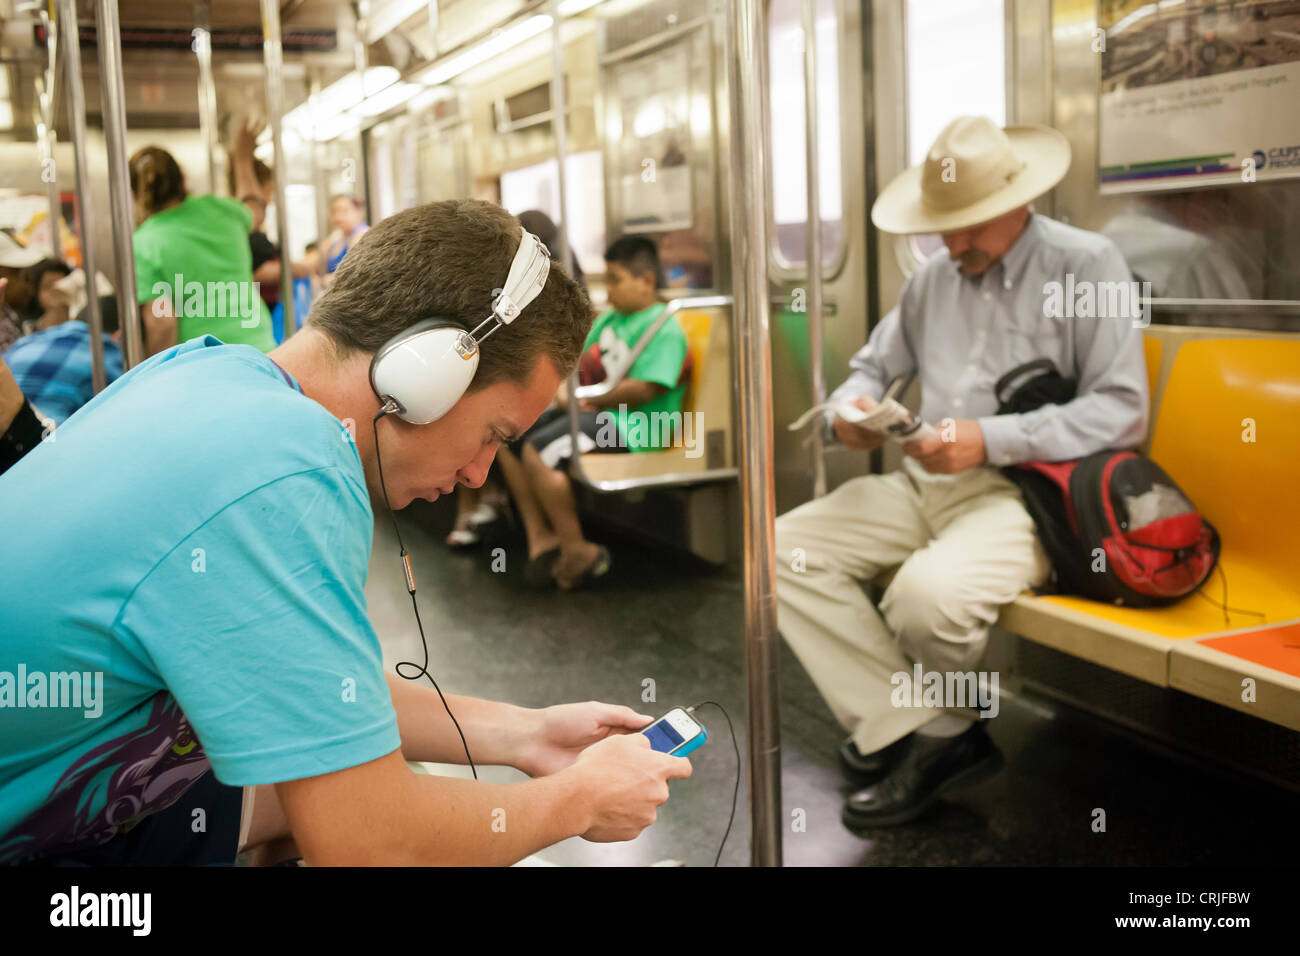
[318, 180]
[560, 127]
[273, 55]
[49, 114]
[67, 23]
[207, 91]
[746, 85]
[813, 247]
[119, 179]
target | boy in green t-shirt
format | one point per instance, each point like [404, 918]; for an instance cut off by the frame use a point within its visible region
[636, 415]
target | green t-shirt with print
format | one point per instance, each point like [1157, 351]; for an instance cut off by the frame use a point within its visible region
[197, 255]
[616, 334]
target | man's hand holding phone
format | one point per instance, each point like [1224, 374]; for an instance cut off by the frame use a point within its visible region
[855, 436]
[623, 781]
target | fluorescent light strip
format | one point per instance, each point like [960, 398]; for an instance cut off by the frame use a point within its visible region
[393, 96]
[482, 52]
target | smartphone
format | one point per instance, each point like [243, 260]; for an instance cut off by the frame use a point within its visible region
[675, 733]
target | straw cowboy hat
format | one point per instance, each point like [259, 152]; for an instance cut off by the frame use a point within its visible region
[974, 172]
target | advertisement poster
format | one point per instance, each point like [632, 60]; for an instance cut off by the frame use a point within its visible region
[1197, 93]
[653, 148]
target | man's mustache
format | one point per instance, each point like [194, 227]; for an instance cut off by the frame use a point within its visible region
[971, 257]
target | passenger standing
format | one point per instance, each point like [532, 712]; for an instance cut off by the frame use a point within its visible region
[266, 254]
[193, 265]
[348, 221]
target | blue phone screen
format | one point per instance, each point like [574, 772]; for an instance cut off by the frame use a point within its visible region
[662, 737]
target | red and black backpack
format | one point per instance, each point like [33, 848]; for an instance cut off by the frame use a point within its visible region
[1115, 526]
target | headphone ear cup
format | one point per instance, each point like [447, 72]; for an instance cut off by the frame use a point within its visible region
[423, 371]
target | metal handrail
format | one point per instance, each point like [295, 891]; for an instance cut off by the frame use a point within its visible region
[578, 473]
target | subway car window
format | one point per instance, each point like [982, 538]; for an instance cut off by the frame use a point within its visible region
[789, 161]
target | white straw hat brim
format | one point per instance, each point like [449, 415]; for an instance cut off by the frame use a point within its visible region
[1046, 155]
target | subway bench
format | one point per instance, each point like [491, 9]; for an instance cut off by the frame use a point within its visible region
[1225, 425]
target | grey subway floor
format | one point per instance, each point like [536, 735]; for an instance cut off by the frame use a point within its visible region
[668, 619]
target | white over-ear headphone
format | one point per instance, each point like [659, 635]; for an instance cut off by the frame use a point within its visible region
[422, 372]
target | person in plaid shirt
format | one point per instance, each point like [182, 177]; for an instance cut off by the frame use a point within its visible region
[52, 367]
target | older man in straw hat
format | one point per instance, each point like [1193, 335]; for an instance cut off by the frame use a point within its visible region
[953, 525]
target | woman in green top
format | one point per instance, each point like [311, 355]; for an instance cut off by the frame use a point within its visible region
[193, 266]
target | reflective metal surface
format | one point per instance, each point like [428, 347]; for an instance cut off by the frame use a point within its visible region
[272, 54]
[67, 24]
[746, 87]
[813, 256]
[119, 182]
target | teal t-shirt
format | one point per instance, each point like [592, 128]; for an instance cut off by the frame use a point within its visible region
[644, 427]
[182, 587]
[197, 255]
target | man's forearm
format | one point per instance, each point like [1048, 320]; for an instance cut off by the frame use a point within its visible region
[630, 392]
[383, 814]
[494, 731]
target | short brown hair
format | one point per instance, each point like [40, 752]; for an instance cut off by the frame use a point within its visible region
[447, 260]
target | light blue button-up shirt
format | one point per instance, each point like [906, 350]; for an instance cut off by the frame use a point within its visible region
[962, 333]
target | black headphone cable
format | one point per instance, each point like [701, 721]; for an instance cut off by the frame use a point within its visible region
[420, 670]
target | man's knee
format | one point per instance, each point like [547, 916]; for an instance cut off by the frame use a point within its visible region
[934, 620]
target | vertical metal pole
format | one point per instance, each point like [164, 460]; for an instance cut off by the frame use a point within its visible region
[560, 128]
[319, 183]
[49, 170]
[559, 125]
[746, 86]
[67, 22]
[273, 55]
[207, 90]
[813, 246]
[119, 179]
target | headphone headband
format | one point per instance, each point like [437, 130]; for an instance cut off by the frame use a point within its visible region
[424, 370]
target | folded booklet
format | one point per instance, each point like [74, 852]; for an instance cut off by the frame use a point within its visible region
[889, 418]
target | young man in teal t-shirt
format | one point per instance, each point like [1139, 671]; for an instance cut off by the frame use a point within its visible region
[642, 412]
[202, 642]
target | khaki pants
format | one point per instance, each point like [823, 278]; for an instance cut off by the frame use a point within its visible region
[964, 546]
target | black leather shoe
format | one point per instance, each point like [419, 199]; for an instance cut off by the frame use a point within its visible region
[929, 768]
[865, 769]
